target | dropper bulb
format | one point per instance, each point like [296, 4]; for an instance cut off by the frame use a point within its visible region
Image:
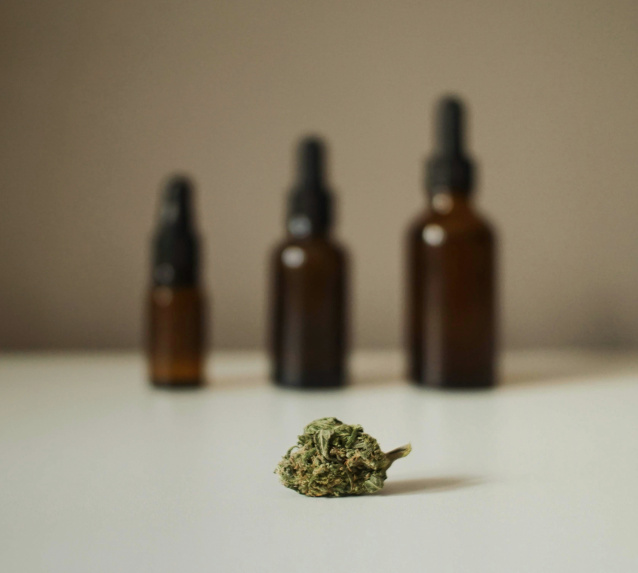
[310, 200]
[450, 126]
[177, 201]
[311, 162]
[449, 168]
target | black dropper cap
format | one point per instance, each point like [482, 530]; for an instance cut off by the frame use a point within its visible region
[450, 168]
[310, 200]
[175, 245]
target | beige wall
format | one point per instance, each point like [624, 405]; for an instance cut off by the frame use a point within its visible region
[100, 100]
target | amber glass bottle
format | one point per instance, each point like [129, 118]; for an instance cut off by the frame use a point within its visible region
[451, 303]
[176, 310]
[309, 285]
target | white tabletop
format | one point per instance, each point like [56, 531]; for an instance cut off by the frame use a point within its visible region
[100, 473]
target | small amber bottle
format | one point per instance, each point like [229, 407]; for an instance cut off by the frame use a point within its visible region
[309, 285]
[451, 302]
[176, 310]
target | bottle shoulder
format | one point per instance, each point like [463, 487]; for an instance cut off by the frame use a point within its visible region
[466, 223]
[328, 244]
[318, 249]
[183, 296]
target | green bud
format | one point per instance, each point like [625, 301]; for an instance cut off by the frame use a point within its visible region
[334, 459]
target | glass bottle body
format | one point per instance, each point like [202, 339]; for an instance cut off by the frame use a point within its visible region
[451, 302]
[309, 313]
[176, 336]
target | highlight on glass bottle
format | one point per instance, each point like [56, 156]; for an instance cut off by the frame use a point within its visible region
[176, 318]
[308, 321]
[451, 294]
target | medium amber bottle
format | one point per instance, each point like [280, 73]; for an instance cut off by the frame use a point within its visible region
[176, 309]
[309, 285]
[451, 303]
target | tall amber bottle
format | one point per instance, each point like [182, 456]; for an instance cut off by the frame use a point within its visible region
[309, 285]
[176, 309]
[451, 303]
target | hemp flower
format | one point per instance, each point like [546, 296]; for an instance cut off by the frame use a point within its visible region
[334, 459]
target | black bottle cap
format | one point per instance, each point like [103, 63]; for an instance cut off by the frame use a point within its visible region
[175, 245]
[310, 201]
[449, 168]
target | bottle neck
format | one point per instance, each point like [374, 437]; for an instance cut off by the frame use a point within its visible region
[303, 227]
[447, 202]
[175, 257]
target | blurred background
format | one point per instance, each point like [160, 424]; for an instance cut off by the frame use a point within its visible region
[100, 101]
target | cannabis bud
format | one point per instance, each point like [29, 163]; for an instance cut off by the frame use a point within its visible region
[334, 459]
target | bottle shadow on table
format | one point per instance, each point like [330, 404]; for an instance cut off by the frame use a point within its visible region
[550, 368]
[518, 369]
[416, 486]
[565, 367]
